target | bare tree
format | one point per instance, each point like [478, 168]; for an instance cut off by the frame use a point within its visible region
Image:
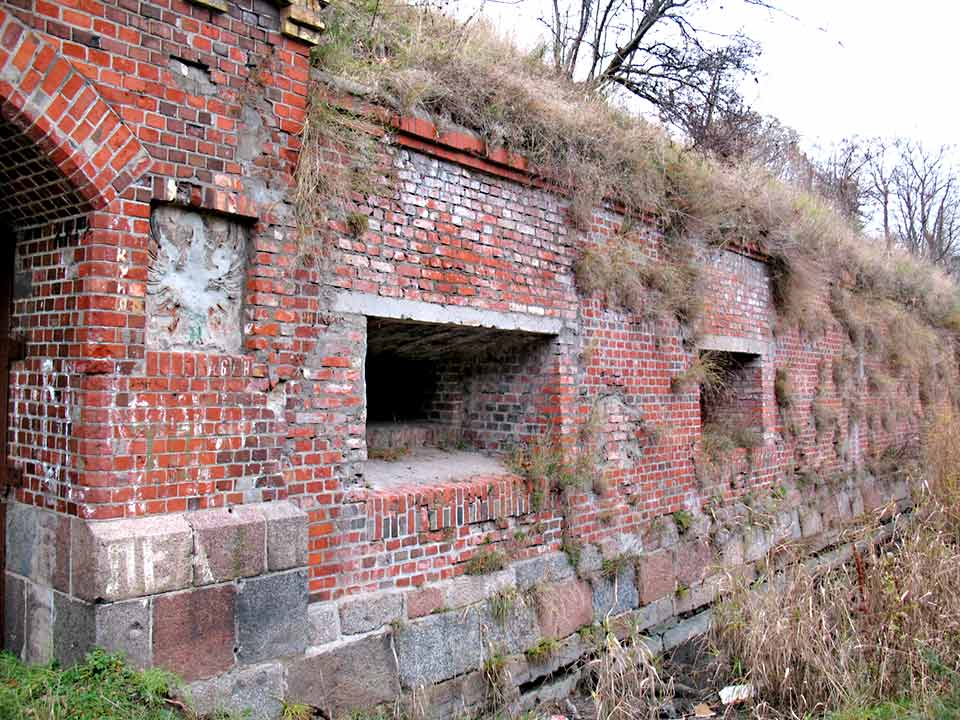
[653, 50]
[840, 177]
[880, 171]
[926, 202]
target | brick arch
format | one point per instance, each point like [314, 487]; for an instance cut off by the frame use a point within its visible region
[54, 108]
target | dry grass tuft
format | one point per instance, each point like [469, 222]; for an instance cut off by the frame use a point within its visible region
[653, 289]
[941, 458]
[339, 164]
[628, 685]
[708, 370]
[825, 417]
[884, 627]
[783, 389]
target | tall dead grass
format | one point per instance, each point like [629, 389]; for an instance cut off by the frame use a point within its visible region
[884, 627]
[628, 684]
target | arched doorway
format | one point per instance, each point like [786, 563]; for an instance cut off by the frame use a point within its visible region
[65, 155]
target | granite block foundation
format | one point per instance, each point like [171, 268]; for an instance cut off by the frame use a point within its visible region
[315, 481]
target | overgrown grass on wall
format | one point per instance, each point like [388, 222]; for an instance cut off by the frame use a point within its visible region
[417, 61]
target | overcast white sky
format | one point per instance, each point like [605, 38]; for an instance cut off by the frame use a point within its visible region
[832, 68]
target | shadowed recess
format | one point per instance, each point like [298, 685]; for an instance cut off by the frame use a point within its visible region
[32, 188]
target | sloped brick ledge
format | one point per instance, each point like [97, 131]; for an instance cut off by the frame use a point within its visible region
[43, 95]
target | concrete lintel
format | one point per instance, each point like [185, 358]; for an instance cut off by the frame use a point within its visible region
[729, 343]
[401, 309]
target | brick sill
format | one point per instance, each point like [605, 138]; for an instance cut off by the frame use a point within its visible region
[414, 509]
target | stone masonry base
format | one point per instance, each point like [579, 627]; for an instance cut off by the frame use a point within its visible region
[220, 597]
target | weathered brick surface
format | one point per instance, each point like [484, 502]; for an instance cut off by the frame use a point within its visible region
[132, 404]
[193, 632]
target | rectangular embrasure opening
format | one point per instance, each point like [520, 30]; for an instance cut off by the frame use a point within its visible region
[731, 403]
[446, 403]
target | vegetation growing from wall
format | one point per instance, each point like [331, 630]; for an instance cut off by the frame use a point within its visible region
[677, 206]
[416, 61]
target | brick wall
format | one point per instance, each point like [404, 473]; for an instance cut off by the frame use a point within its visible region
[121, 411]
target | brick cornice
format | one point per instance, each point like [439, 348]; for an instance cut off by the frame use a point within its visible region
[467, 149]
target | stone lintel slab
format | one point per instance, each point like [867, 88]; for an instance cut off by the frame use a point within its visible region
[730, 343]
[402, 309]
[121, 559]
